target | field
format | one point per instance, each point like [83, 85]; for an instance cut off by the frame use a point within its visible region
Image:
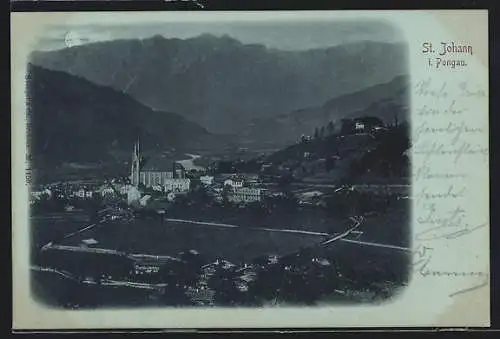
[150, 237]
[299, 218]
[392, 228]
[368, 266]
[53, 227]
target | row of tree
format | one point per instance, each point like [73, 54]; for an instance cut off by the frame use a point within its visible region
[347, 126]
[323, 131]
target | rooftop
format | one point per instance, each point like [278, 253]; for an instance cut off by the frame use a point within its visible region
[159, 164]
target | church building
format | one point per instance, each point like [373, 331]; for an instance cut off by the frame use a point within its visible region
[155, 171]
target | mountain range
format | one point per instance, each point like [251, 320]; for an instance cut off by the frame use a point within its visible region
[74, 120]
[226, 86]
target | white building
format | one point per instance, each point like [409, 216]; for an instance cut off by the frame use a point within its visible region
[177, 185]
[234, 183]
[207, 180]
[107, 190]
[39, 194]
[133, 195]
[273, 259]
[157, 188]
[251, 178]
[144, 200]
[359, 126]
[245, 194]
[82, 193]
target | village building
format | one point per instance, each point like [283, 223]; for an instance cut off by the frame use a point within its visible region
[235, 181]
[177, 185]
[144, 200]
[207, 180]
[359, 127]
[41, 193]
[251, 178]
[107, 191]
[245, 194]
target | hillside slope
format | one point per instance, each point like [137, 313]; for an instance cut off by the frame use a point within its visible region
[375, 157]
[73, 120]
[385, 101]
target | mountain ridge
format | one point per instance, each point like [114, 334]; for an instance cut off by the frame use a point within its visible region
[73, 120]
[222, 83]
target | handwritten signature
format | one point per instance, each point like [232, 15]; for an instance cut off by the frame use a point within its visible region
[447, 232]
[429, 149]
[454, 129]
[425, 172]
[450, 193]
[422, 259]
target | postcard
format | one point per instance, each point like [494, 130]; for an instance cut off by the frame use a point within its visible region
[250, 169]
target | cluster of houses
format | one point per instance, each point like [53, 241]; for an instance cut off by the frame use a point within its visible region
[76, 191]
[239, 188]
[39, 194]
[169, 176]
[202, 294]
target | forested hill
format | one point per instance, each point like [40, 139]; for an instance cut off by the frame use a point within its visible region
[74, 120]
[376, 156]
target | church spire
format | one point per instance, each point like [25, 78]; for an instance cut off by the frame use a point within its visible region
[138, 146]
[135, 177]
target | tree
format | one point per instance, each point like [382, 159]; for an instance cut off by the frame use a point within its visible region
[199, 195]
[316, 133]
[330, 163]
[285, 179]
[226, 192]
[268, 281]
[330, 128]
[347, 126]
[177, 276]
[370, 121]
[322, 132]
[396, 121]
[225, 166]
[299, 287]
[175, 295]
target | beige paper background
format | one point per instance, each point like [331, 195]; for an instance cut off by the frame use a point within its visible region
[425, 302]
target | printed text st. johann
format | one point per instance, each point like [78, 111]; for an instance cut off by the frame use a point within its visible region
[447, 54]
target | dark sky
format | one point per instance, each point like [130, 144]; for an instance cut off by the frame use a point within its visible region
[281, 35]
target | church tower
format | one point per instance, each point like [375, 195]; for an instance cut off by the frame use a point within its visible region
[135, 177]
